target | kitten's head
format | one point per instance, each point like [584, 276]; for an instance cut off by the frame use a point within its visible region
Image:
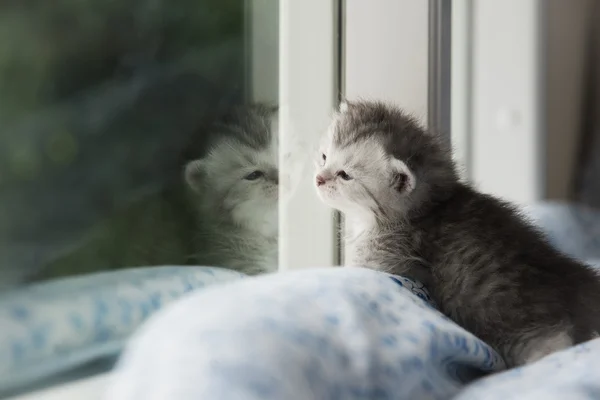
[377, 161]
[238, 177]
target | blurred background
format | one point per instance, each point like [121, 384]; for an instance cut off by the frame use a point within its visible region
[100, 104]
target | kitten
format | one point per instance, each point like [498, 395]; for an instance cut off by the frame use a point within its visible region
[236, 190]
[486, 267]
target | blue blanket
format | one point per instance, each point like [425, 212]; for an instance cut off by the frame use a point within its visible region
[346, 333]
[343, 333]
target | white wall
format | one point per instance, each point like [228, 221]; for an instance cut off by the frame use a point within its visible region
[518, 94]
[506, 134]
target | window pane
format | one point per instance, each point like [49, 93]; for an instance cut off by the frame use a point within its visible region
[135, 134]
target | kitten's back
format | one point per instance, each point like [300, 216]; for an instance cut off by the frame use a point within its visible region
[488, 252]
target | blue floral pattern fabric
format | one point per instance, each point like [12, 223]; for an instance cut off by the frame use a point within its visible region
[345, 334]
[573, 374]
[50, 327]
[336, 333]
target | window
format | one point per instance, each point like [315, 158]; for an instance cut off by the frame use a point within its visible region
[135, 135]
[131, 138]
[104, 105]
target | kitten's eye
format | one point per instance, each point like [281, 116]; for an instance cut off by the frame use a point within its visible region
[252, 176]
[343, 175]
[324, 157]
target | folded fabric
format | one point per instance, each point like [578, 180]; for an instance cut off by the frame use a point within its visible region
[572, 374]
[344, 334]
[335, 333]
[51, 327]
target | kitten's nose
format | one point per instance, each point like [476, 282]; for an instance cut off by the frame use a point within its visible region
[320, 180]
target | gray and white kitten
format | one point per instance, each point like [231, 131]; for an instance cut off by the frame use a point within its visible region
[486, 267]
[235, 187]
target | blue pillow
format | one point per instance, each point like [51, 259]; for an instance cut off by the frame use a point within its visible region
[51, 327]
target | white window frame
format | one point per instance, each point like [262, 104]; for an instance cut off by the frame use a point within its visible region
[461, 84]
[91, 388]
[497, 93]
[308, 93]
[315, 64]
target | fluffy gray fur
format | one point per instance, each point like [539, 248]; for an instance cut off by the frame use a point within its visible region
[487, 268]
[237, 211]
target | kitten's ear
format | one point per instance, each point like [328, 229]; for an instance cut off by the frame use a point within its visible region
[403, 180]
[194, 174]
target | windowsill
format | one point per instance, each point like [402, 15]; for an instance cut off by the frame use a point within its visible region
[92, 388]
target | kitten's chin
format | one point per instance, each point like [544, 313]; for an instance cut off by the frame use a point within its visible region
[268, 230]
[344, 208]
[259, 218]
[358, 219]
[327, 199]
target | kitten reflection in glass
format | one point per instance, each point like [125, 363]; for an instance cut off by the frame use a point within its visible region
[235, 187]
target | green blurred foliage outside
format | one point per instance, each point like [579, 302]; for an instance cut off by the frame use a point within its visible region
[51, 52]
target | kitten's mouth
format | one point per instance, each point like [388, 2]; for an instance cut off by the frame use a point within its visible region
[325, 192]
[326, 187]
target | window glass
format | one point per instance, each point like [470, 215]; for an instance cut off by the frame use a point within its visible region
[133, 134]
[109, 111]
